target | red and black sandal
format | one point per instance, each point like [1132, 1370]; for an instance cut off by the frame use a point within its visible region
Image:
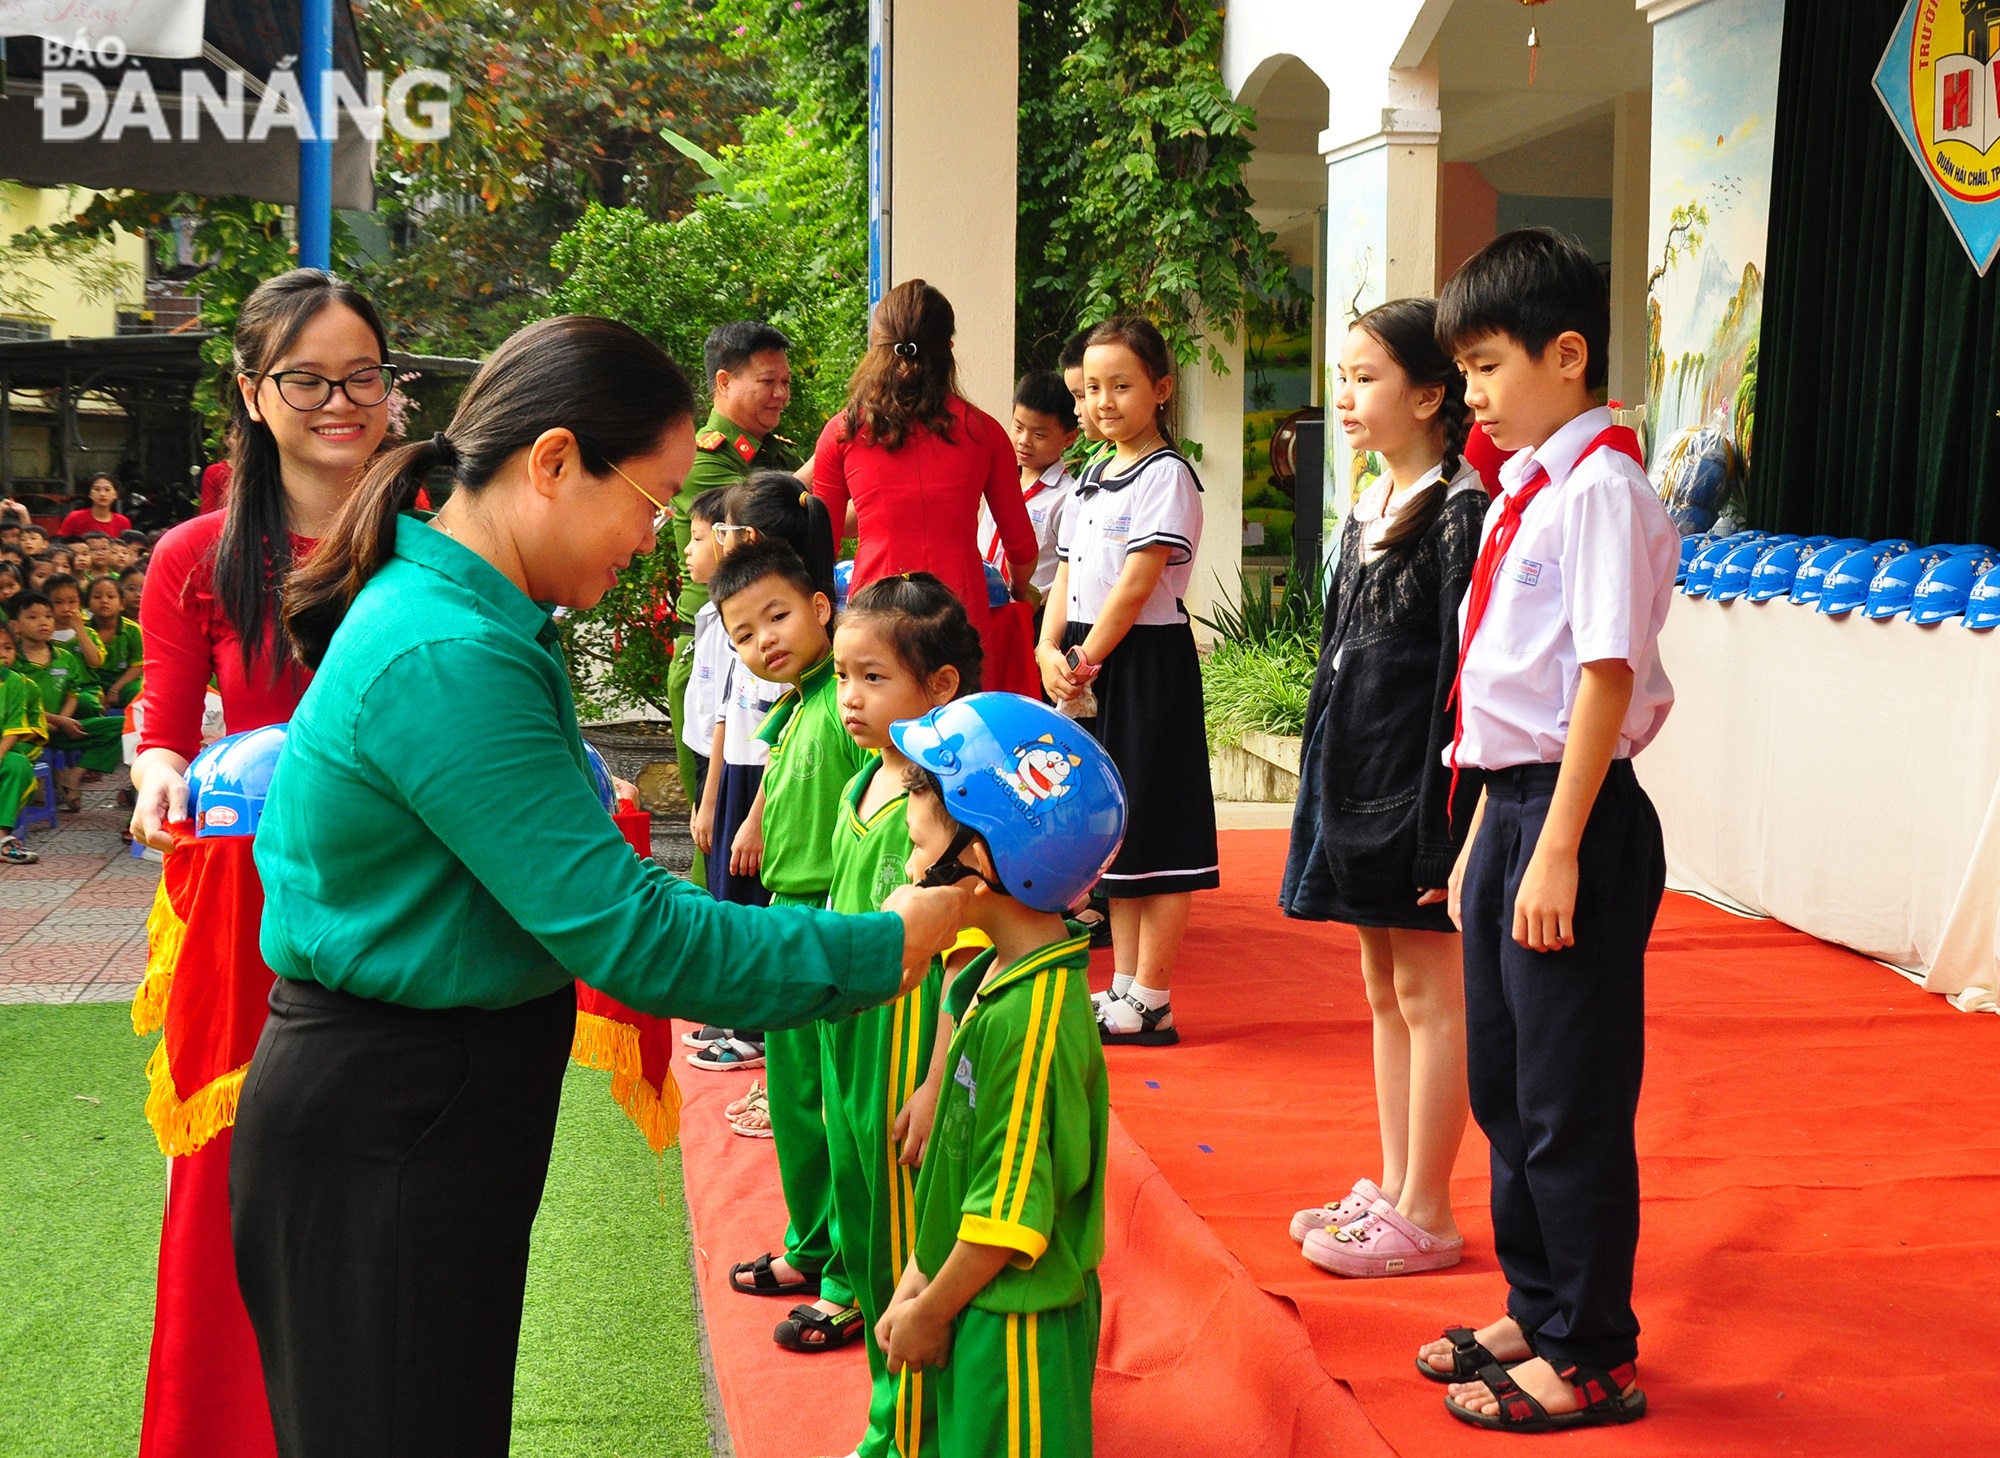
[1469, 1357]
[808, 1329]
[1605, 1403]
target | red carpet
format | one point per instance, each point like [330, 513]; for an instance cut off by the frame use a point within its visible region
[1818, 1270]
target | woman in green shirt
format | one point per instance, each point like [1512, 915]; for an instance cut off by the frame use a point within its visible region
[429, 899]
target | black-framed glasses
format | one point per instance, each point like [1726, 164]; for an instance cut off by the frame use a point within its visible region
[304, 390]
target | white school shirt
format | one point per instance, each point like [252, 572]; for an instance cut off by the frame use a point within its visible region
[709, 655]
[1588, 577]
[1156, 501]
[745, 700]
[1053, 492]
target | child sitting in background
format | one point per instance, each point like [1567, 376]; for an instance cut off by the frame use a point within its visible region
[73, 631]
[132, 587]
[904, 647]
[119, 676]
[776, 614]
[1001, 1290]
[23, 731]
[1043, 428]
[58, 673]
[10, 582]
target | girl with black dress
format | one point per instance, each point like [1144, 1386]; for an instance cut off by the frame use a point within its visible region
[1378, 825]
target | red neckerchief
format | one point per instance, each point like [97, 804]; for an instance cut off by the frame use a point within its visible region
[1493, 550]
[995, 552]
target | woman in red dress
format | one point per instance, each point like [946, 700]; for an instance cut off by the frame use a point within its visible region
[103, 492]
[916, 458]
[312, 384]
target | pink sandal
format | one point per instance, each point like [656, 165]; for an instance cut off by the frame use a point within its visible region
[1381, 1243]
[1330, 1217]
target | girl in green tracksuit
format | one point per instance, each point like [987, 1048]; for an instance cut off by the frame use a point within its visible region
[904, 646]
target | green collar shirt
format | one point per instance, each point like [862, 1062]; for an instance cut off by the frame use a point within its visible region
[477, 868]
[812, 759]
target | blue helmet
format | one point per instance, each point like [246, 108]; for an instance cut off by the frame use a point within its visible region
[998, 593]
[228, 781]
[600, 774]
[1944, 591]
[1775, 570]
[1034, 785]
[1732, 574]
[1701, 572]
[1891, 589]
[1848, 580]
[843, 583]
[1690, 549]
[1982, 604]
[1812, 572]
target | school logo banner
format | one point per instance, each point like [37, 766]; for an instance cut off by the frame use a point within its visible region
[1940, 80]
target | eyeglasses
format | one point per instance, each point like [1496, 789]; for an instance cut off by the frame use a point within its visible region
[304, 390]
[662, 512]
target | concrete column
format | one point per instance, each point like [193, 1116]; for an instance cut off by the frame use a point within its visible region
[953, 174]
[1631, 208]
[1410, 130]
[1211, 414]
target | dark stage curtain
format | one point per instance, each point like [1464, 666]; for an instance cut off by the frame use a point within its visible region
[1879, 361]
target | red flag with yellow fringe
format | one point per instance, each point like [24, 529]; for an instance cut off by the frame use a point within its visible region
[205, 988]
[637, 1047]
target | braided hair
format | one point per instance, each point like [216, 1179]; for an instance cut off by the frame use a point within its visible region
[1407, 329]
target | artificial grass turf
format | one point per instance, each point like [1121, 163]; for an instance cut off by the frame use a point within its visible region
[609, 1365]
[81, 1187]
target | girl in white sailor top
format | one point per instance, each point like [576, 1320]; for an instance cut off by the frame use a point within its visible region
[1115, 629]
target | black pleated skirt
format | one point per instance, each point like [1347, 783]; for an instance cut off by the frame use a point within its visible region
[1150, 721]
[387, 1167]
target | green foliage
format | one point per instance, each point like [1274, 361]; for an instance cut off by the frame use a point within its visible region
[1258, 676]
[1131, 178]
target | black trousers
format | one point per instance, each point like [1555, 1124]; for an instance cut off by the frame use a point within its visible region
[388, 1163]
[1555, 1048]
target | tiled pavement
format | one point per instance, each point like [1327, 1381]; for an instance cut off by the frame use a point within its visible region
[73, 929]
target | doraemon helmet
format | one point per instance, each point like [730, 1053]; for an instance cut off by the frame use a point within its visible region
[1775, 571]
[1894, 584]
[600, 775]
[1982, 604]
[228, 781]
[1812, 572]
[1732, 573]
[1945, 590]
[1034, 785]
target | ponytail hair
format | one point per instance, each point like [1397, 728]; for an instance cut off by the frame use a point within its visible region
[1407, 329]
[605, 382]
[1144, 339]
[909, 375]
[777, 506]
[925, 623]
[254, 552]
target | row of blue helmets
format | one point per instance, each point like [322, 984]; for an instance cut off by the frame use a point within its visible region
[1839, 575]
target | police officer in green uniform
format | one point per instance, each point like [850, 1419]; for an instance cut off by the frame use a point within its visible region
[752, 383]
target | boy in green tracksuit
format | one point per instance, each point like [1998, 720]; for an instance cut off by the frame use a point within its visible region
[778, 622]
[1002, 1290]
[23, 732]
[69, 697]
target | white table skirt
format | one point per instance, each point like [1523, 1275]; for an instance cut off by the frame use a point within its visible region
[1841, 775]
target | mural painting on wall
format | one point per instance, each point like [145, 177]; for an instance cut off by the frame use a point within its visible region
[1357, 220]
[1940, 82]
[1277, 381]
[1715, 91]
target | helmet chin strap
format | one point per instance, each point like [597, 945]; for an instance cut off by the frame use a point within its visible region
[949, 870]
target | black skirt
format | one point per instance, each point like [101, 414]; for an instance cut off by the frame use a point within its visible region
[387, 1167]
[1150, 721]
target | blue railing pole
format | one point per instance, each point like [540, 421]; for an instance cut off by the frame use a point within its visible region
[316, 156]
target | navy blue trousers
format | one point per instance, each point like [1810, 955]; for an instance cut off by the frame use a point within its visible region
[1555, 1049]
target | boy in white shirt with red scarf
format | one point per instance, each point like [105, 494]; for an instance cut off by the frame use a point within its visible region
[1559, 686]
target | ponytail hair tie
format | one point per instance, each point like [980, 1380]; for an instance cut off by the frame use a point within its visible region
[442, 447]
[906, 349]
[805, 498]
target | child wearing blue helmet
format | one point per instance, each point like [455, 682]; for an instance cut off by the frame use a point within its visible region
[1001, 1291]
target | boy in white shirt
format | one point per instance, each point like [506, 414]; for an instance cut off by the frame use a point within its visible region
[1043, 428]
[1559, 685]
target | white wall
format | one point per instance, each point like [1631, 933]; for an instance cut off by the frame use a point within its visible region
[952, 188]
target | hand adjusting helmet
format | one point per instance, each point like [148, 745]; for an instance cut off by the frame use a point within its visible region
[229, 780]
[1035, 786]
